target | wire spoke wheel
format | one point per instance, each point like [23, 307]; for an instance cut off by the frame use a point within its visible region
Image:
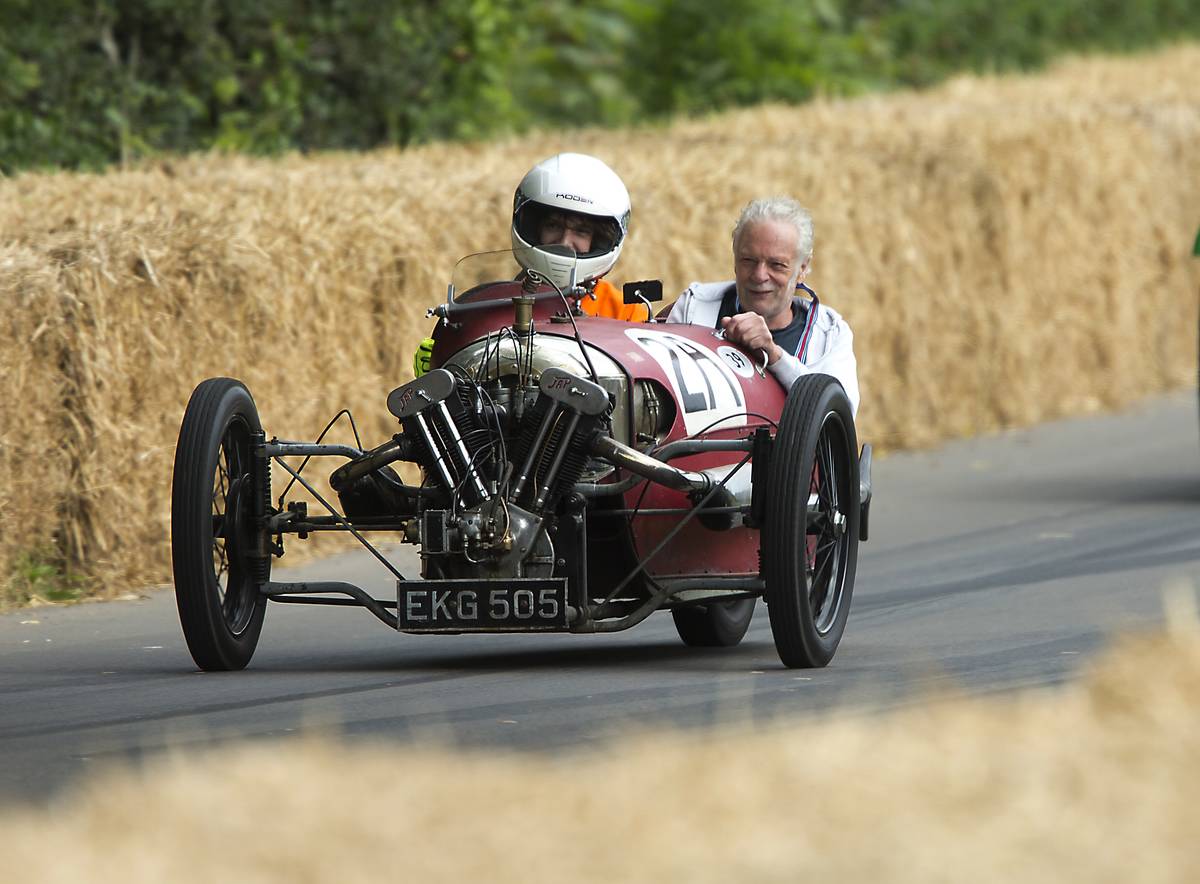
[220, 523]
[811, 530]
[826, 531]
[215, 545]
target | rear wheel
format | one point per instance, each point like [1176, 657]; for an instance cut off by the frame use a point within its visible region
[216, 550]
[715, 625]
[811, 529]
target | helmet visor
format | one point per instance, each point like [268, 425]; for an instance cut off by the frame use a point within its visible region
[587, 235]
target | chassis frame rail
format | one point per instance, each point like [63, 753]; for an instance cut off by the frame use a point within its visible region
[294, 593]
[611, 616]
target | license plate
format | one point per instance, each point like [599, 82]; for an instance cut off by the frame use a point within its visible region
[520, 604]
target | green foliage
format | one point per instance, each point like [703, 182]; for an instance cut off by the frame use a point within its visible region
[787, 51]
[85, 83]
[40, 574]
[572, 69]
[931, 39]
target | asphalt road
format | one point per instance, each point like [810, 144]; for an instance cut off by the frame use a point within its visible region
[994, 564]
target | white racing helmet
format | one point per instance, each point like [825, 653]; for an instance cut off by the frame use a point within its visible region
[570, 182]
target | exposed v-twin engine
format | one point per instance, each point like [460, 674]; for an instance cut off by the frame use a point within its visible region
[495, 480]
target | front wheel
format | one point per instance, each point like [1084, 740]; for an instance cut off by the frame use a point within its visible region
[811, 527]
[219, 489]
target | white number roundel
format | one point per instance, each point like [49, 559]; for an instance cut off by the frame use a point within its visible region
[737, 360]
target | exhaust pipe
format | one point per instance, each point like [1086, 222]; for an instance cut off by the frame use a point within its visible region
[735, 489]
[647, 467]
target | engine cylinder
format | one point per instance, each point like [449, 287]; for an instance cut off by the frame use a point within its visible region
[448, 417]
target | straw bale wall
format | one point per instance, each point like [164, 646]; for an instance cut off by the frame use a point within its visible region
[1007, 250]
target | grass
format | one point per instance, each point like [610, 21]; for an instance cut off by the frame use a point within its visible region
[41, 576]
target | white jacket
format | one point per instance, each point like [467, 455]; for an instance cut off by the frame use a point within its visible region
[830, 349]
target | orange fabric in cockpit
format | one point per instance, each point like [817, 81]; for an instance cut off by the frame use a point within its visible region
[610, 302]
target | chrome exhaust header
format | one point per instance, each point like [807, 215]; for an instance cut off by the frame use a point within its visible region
[648, 467]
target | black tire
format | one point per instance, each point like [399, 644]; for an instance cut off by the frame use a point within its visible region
[213, 531]
[715, 625]
[808, 568]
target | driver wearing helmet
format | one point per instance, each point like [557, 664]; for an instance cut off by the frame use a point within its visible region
[572, 200]
[575, 200]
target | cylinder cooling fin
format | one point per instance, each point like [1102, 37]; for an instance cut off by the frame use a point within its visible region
[448, 418]
[552, 450]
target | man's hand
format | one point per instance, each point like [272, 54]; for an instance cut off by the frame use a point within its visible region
[750, 331]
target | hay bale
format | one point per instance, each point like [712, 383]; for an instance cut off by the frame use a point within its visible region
[1007, 250]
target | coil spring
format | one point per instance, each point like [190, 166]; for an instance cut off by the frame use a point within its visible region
[260, 566]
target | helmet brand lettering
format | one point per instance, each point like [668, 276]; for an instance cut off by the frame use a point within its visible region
[571, 196]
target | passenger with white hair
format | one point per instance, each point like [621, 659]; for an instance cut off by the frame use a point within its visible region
[760, 309]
